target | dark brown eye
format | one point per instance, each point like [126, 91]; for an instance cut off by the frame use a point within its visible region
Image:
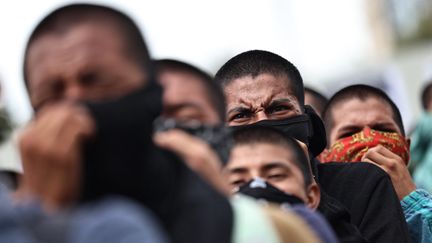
[383, 128]
[88, 78]
[348, 133]
[277, 109]
[276, 176]
[238, 183]
[240, 116]
[57, 87]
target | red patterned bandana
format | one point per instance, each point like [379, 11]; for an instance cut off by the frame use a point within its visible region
[352, 148]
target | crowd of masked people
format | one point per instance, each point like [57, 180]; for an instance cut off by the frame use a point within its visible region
[125, 148]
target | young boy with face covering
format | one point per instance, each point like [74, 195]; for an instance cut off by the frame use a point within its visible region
[364, 125]
[270, 166]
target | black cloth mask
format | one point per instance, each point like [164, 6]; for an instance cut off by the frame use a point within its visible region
[263, 191]
[115, 157]
[307, 128]
[122, 159]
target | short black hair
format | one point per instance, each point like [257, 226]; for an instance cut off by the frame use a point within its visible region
[256, 62]
[213, 89]
[426, 95]
[361, 92]
[320, 99]
[61, 20]
[249, 135]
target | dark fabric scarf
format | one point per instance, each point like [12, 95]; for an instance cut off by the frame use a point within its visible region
[307, 128]
[122, 160]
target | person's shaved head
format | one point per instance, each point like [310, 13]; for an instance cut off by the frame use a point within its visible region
[255, 62]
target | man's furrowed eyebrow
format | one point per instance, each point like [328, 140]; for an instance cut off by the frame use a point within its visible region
[280, 101]
[239, 109]
[352, 127]
[385, 126]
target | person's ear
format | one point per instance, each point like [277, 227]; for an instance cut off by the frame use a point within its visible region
[313, 195]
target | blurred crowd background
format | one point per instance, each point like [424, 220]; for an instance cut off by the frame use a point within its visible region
[334, 43]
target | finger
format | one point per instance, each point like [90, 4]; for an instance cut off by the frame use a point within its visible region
[179, 141]
[376, 157]
[387, 153]
[375, 154]
[55, 118]
[72, 117]
[393, 166]
[86, 121]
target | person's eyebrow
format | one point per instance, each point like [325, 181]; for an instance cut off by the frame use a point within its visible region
[237, 170]
[280, 101]
[239, 109]
[350, 128]
[385, 126]
[275, 165]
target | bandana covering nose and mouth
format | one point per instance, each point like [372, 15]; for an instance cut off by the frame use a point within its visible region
[352, 148]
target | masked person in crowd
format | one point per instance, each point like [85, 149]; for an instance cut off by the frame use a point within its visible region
[192, 125]
[194, 102]
[364, 124]
[315, 99]
[268, 165]
[90, 81]
[264, 88]
[421, 145]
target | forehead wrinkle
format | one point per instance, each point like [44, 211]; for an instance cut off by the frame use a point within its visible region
[257, 91]
[262, 100]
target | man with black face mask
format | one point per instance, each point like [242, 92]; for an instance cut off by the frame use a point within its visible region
[87, 70]
[264, 88]
[192, 126]
[263, 154]
[195, 104]
[269, 166]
